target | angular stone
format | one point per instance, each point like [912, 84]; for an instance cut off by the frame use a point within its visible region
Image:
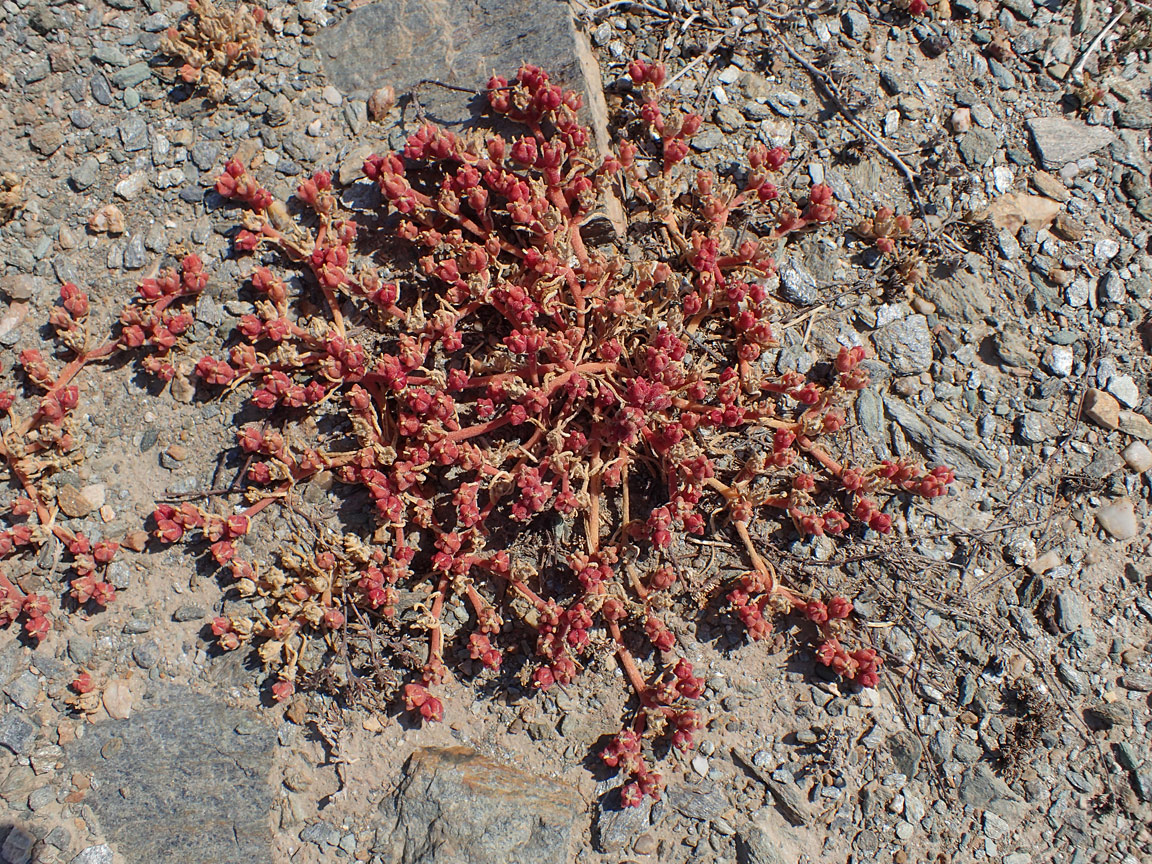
[767, 840]
[1059, 141]
[1137, 456]
[455, 805]
[617, 826]
[798, 285]
[198, 790]
[75, 503]
[130, 76]
[905, 345]
[17, 734]
[1135, 115]
[46, 139]
[981, 788]
[697, 803]
[101, 854]
[1136, 425]
[1101, 408]
[906, 751]
[978, 146]
[17, 848]
[1051, 185]
[457, 42]
[1109, 714]
[1118, 518]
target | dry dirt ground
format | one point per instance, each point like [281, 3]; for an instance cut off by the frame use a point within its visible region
[1013, 721]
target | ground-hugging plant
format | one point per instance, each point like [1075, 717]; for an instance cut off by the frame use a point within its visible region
[213, 42]
[32, 449]
[489, 368]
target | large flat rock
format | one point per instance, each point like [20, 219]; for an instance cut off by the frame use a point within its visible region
[456, 42]
[455, 805]
[1060, 141]
[184, 780]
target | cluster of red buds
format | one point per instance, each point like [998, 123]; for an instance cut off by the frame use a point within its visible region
[513, 371]
[32, 448]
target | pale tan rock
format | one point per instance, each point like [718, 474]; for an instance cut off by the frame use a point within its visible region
[117, 700]
[1137, 456]
[77, 503]
[1015, 209]
[1118, 518]
[1101, 408]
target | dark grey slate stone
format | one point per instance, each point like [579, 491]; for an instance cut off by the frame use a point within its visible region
[457, 42]
[198, 790]
[456, 805]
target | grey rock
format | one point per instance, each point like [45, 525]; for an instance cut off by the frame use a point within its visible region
[707, 139]
[1023, 8]
[199, 791]
[696, 802]
[906, 751]
[130, 76]
[81, 118]
[1138, 681]
[941, 441]
[978, 146]
[1111, 288]
[1059, 141]
[1139, 191]
[1073, 677]
[617, 826]
[959, 296]
[870, 416]
[403, 42]
[41, 798]
[1059, 360]
[101, 854]
[209, 311]
[135, 255]
[1070, 615]
[1104, 464]
[1137, 114]
[762, 843]
[85, 174]
[1127, 756]
[1036, 428]
[80, 649]
[1125, 389]
[454, 804]
[941, 746]
[24, 690]
[147, 654]
[1109, 714]
[981, 788]
[855, 24]
[905, 344]
[110, 55]
[189, 612]
[101, 92]
[17, 734]
[134, 134]
[322, 834]
[1142, 783]
[204, 154]
[798, 285]
[59, 837]
[17, 848]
